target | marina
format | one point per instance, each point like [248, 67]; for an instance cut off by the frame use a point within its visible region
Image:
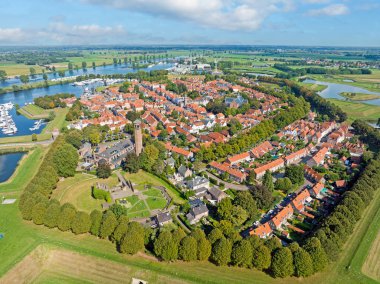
[37, 125]
[7, 125]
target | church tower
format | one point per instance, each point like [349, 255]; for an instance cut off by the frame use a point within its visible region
[138, 137]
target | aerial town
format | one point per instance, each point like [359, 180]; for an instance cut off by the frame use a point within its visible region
[210, 142]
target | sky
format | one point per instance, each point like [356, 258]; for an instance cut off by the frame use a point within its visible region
[170, 22]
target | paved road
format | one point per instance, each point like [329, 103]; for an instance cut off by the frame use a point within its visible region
[234, 186]
[28, 144]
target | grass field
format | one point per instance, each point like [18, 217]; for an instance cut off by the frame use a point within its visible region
[356, 110]
[371, 266]
[359, 96]
[314, 87]
[77, 191]
[34, 112]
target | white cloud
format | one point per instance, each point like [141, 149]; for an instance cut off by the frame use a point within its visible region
[245, 15]
[331, 10]
[316, 1]
[12, 35]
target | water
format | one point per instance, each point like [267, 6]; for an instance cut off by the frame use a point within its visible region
[8, 165]
[105, 70]
[21, 98]
[334, 90]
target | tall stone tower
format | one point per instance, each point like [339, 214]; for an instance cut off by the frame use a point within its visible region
[138, 137]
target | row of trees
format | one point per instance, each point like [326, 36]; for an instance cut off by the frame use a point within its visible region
[251, 252]
[338, 226]
[257, 133]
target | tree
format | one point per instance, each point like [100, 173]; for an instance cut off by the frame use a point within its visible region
[131, 163]
[74, 137]
[24, 79]
[283, 184]
[303, 264]
[273, 243]
[108, 224]
[215, 235]
[295, 173]
[51, 215]
[45, 77]
[261, 257]
[38, 213]
[225, 208]
[84, 65]
[121, 228]
[262, 196]
[103, 170]
[178, 235]
[238, 215]
[65, 160]
[3, 75]
[96, 221]
[251, 177]
[282, 263]
[81, 223]
[268, 181]
[242, 253]
[34, 137]
[66, 216]
[204, 249]
[314, 248]
[133, 240]
[246, 201]
[188, 248]
[70, 66]
[149, 157]
[221, 252]
[119, 210]
[165, 247]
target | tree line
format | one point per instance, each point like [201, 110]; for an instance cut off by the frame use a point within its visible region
[257, 133]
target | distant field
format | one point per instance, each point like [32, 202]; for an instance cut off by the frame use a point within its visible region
[360, 96]
[370, 82]
[356, 110]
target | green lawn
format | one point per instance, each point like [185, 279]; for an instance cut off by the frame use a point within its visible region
[34, 112]
[139, 206]
[27, 168]
[153, 192]
[143, 178]
[357, 110]
[156, 202]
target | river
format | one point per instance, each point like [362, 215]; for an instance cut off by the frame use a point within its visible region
[334, 90]
[22, 97]
[8, 165]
